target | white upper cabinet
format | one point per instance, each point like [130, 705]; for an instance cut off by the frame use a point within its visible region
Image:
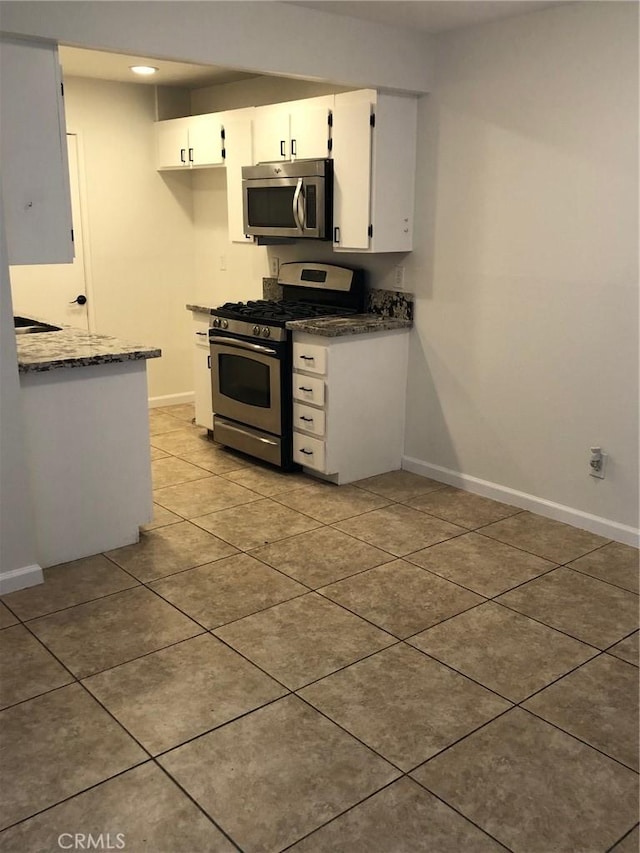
[369, 135]
[191, 142]
[309, 127]
[237, 128]
[271, 133]
[35, 177]
[293, 131]
[374, 155]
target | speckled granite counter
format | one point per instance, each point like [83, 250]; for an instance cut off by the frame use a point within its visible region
[355, 324]
[201, 309]
[386, 310]
[75, 348]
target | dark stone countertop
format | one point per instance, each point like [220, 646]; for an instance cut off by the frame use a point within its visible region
[354, 324]
[70, 347]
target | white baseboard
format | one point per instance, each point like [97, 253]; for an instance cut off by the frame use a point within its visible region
[593, 523]
[171, 399]
[20, 578]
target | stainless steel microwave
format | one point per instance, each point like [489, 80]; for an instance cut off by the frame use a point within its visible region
[288, 199]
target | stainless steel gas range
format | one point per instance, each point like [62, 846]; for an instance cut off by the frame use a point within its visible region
[251, 356]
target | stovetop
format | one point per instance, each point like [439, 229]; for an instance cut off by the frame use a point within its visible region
[275, 313]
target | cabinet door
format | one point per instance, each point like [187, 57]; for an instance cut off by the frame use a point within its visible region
[351, 172]
[205, 140]
[309, 127]
[35, 177]
[172, 144]
[271, 133]
[238, 153]
[202, 371]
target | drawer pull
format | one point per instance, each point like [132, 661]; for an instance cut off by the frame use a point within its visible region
[304, 418]
[308, 357]
[306, 452]
[302, 388]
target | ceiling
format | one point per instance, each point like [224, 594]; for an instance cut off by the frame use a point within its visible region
[80, 62]
[430, 16]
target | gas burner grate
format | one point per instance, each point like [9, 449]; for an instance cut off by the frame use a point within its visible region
[280, 312]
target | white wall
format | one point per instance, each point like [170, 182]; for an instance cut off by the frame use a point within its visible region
[266, 37]
[525, 352]
[18, 554]
[140, 227]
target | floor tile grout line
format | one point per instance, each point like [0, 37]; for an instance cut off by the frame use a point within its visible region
[622, 838]
[610, 583]
[408, 559]
[547, 625]
[165, 752]
[464, 675]
[457, 811]
[466, 527]
[462, 738]
[580, 740]
[342, 813]
[316, 588]
[571, 671]
[80, 603]
[349, 733]
[260, 545]
[198, 806]
[39, 695]
[481, 532]
[599, 651]
[73, 796]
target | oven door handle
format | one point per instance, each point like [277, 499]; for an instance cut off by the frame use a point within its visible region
[296, 199]
[232, 342]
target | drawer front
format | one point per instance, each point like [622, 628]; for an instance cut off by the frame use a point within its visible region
[310, 357]
[309, 452]
[308, 419]
[308, 389]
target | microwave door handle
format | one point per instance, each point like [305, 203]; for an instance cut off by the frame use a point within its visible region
[232, 342]
[296, 200]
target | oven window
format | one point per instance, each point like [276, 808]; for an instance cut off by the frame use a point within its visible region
[244, 380]
[271, 207]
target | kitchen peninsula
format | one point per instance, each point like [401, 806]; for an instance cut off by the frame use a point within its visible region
[86, 422]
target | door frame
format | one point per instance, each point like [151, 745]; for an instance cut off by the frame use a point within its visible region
[84, 224]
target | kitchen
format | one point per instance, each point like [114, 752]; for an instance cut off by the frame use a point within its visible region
[511, 253]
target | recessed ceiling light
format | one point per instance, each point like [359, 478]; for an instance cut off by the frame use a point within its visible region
[143, 69]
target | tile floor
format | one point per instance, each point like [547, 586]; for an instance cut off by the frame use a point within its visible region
[387, 667]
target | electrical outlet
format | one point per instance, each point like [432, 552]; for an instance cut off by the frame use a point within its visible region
[275, 267]
[597, 463]
[399, 277]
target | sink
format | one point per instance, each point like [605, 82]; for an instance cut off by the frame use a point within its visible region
[28, 326]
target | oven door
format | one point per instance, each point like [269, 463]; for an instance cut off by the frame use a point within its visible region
[285, 207]
[246, 382]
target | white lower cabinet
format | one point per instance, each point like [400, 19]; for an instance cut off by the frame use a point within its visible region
[349, 422]
[202, 370]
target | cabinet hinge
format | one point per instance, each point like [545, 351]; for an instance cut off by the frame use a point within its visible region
[222, 133]
[329, 144]
[224, 153]
[62, 88]
[372, 119]
[330, 119]
[370, 231]
[72, 237]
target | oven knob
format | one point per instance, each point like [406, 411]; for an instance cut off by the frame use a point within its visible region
[216, 322]
[225, 324]
[256, 330]
[266, 332]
